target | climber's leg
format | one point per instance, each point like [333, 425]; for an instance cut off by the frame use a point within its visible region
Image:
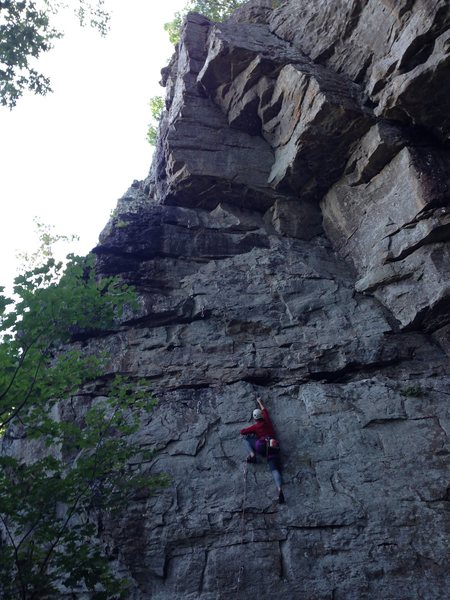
[277, 477]
[274, 464]
[250, 442]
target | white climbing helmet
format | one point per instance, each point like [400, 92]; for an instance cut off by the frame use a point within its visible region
[257, 414]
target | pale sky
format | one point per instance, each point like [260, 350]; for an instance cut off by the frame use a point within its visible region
[68, 156]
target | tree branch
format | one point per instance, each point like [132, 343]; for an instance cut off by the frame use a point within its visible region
[28, 394]
[16, 556]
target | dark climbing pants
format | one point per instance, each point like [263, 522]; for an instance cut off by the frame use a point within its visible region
[273, 462]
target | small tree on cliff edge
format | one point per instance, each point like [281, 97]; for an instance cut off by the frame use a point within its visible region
[216, 10]
[156, 111]
[65, 459]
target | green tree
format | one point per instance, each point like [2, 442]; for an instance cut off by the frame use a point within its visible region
[26, 31]
[216, 10]
[75, 429]
[156, 110]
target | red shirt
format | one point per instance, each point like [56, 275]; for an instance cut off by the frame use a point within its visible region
[262, 428]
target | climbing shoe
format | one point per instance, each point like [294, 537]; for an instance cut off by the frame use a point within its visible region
[281, 499]
[251, 459]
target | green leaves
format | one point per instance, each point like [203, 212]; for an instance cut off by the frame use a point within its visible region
[216, 10]
[54, 304]
[25, 33]
[94, 15]
[156, 110]
[76, 430]
[49, 506]
[173, 28]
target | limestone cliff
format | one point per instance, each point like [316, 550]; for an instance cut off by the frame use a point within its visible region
[292, 241]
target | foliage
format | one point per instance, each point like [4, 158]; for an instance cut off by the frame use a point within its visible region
[173, 28]
[216, 10]
[78, 457]
[48, 239]
[414, 391]
[156, 110]
[26, 31]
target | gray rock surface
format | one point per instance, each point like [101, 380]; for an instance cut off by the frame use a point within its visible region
[397, 49]
[203, 160]
[308, 114]
[291, 242]
[361, 410]
[389, 215]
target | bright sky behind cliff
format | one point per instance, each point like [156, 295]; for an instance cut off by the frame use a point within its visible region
[67, 157]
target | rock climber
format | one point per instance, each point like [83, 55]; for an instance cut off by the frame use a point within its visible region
[260, 439]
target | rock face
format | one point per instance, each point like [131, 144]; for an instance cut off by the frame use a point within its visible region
[291, 242]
